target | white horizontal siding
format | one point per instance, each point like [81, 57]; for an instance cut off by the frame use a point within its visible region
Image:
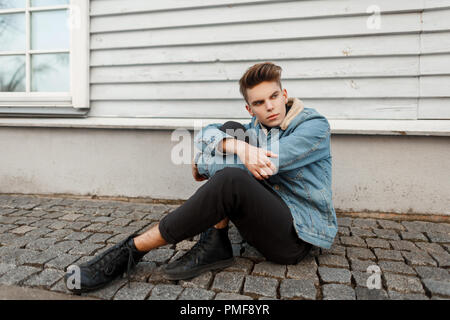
[184, 58]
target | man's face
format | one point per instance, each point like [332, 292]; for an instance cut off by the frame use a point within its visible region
[267, 99]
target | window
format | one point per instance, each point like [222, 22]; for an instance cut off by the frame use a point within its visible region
[44, 68]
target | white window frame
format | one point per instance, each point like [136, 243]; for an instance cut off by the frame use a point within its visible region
[72, 104]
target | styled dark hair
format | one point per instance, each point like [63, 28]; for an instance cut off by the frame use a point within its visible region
[266, 71]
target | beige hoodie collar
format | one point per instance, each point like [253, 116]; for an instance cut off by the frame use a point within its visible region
[296, 107]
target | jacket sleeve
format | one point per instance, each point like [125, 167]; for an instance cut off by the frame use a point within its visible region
[207, 140]
[308, 143]
[210, 160]
[208, 165]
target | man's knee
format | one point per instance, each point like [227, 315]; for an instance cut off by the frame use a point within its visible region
[232, 173]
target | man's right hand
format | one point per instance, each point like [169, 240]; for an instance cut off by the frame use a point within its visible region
[256, 159]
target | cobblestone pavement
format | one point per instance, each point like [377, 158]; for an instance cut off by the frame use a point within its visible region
[40, 237]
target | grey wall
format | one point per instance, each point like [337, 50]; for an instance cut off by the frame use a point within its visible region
[406, 174]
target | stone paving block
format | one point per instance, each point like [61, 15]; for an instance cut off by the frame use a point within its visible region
[360, 265]
[443, 259]
[79, 226]
[393, 295]
[95, 227]
[107, 292]
[59, 234]
[228, 282]
[196, 294]
[41, 244]
[431, 247]
[117, 238]
[260, 286]
[388, 255]
[302, 272]
[165, 292]
[387, 234]
[438, 237]
[17, 275]
[45, 279]
[438, 227]
[71, 217]
[87, 249]
[62, 261]
[297, 289]
[361, 232]
[370, 294]
[378, 243]
[58, 225]
[269, 269]
[7, 238]
[415, 226]
[231, 296]
[413, 236]
[365, 223]
[432, 273]
[360, 253]
[353, 241]
[241, 265]
[338, 292]
[5, 267]
[142, 271]
[65, 246]
[120, 222]
[334, 275]
[343, 231]
[403, 245]
[80, 236]
[6, 227]
[135, 291]
[101, 219]
[401, 283]
[333, 261]
[436, 287]
[344, 221]
[389, 224]
[41, 258]
[335, 249]
[418, 258]
[99, 237]
[360, 278]
[26, 221]
[396, 267]
[201, 281]
[159, 255]
[22, 230]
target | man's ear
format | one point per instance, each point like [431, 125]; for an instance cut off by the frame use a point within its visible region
[285, 94]
[249, 110]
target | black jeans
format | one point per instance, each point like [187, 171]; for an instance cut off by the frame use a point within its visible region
[261, 216]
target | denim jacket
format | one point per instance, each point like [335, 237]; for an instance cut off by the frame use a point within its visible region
[303, 175]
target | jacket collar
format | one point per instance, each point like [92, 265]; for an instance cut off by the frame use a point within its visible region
[296, 106]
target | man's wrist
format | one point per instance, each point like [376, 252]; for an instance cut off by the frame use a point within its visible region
[231, 145]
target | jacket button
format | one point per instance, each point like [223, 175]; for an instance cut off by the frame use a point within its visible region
[277, 187]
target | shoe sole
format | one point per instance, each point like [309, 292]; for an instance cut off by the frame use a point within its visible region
[199, 270]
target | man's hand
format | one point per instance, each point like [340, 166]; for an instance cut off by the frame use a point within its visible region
[195, 174]
[256, 159]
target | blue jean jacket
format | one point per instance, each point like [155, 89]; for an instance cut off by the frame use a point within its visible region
[303, 175]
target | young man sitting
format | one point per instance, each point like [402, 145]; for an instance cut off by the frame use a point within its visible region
[278, 195]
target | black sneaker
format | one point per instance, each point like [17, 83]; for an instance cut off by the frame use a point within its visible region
[107, 266]
[212, 252]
